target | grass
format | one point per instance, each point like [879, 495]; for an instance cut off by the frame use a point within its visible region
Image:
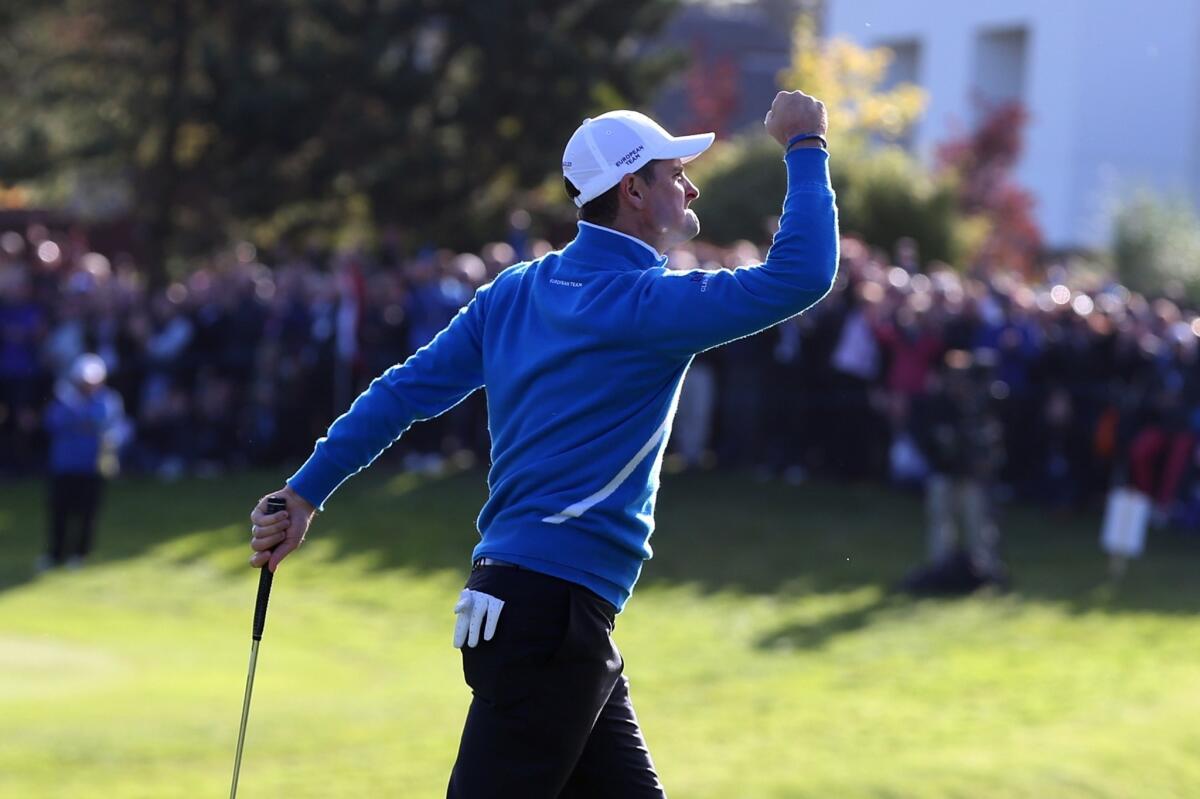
[767, 656]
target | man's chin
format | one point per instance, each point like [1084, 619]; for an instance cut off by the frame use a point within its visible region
[686, 231]
[691, 225]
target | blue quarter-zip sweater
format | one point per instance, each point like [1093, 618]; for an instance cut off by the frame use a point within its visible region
[583, 353]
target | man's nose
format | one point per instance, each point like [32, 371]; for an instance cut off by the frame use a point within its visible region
[690, 191]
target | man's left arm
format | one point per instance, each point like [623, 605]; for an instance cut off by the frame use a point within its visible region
[688, 312]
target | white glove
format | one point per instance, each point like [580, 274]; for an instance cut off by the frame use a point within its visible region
[472, 606]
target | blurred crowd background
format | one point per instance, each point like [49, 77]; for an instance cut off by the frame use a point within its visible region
[247, 210]
[246, 360]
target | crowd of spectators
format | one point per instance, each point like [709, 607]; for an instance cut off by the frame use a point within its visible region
[247, 359]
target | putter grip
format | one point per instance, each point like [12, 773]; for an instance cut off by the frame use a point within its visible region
[274, 505]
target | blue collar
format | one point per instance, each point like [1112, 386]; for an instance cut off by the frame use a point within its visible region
[594, 242]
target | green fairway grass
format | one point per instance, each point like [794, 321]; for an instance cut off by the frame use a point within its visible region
[767, 656]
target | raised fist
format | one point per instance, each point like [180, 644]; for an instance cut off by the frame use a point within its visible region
[793, 113]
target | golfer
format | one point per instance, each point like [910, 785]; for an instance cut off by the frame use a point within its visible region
[582, 352]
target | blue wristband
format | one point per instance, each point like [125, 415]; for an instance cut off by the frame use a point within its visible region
[799, 137]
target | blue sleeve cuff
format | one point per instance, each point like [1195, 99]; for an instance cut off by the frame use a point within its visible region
[317, 479]
[807, 165]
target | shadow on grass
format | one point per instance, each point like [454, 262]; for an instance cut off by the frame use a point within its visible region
[815, 634]
[718, 532]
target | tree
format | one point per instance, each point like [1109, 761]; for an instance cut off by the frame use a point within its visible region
[981, 164]
[741, 183]
[848, 79]
[712, 92]
[882, 197]
[883, 193]
[1156, 247]
[287, 116]
[888, 196]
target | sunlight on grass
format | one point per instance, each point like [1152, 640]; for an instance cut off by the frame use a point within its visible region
[762, 663]
[49, 668]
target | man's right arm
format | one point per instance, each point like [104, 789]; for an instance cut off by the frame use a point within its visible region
[434, 379]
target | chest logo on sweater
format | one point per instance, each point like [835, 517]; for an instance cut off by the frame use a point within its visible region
[701, 278]
[570, 283]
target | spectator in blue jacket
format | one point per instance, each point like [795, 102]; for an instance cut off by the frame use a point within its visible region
[86, 425]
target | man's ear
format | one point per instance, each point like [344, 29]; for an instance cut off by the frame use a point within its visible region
[632, 190]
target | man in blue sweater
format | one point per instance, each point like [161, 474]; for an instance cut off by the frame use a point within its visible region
[582, 353]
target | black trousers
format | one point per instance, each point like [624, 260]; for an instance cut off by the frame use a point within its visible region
[74, 502]
[551, 716]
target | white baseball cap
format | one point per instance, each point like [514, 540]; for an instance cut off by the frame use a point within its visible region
[606, 148]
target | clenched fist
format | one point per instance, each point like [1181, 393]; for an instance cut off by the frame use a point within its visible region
[793, 113]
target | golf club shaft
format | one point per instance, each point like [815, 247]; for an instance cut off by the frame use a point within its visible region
[237, 762]
[265, 577]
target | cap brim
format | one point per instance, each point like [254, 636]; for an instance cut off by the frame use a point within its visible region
[685, 148]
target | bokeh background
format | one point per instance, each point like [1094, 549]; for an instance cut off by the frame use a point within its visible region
[879, 567]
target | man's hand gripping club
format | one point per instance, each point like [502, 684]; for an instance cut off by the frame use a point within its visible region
[274, 535]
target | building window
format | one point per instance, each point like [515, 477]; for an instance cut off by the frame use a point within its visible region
[906, 63]
[1000, 56]
[905, 67]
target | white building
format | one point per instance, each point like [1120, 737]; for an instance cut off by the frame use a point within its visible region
[1112, 89]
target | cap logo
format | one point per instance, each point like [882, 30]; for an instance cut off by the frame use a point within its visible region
[630, 156]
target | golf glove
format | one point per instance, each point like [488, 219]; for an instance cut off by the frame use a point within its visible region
[471, 609]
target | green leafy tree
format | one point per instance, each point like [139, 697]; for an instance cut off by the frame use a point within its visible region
[741, 184]
[1156, 246]
[883, 193]
[286, 116]
[849, 80]
[882, 197]
[887, 196]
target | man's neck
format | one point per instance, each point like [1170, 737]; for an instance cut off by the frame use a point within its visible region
[628, 234]
[636, 227]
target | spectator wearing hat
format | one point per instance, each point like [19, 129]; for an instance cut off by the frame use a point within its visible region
[962, 442]
[86, 425]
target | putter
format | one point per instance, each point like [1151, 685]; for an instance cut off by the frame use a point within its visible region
[274, 505]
